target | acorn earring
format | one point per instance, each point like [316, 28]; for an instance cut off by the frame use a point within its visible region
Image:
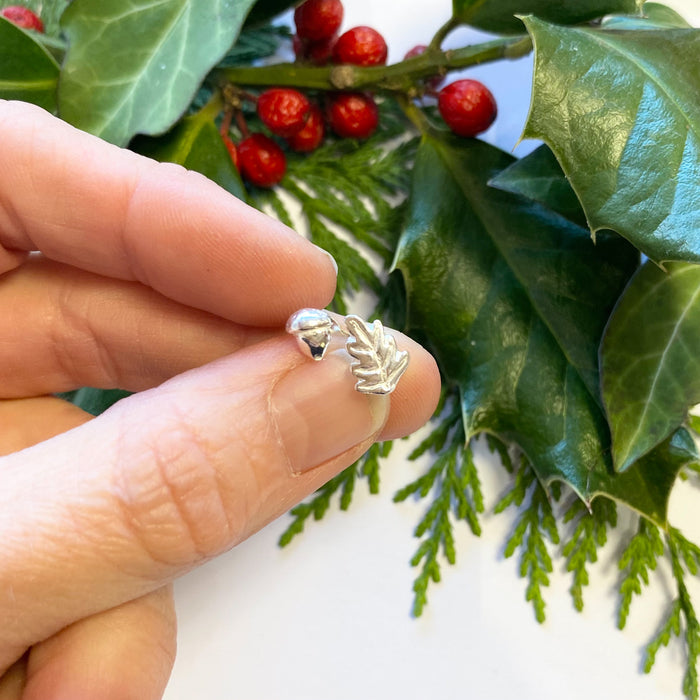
[377, 363]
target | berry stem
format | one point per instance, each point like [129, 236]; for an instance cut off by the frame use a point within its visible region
[441, 34]
[398, 77]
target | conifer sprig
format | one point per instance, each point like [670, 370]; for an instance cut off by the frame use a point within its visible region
[452, 482]
[589, 535]
[535, 526]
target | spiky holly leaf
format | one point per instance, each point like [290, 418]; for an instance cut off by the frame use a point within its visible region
[133, 67]
[500, 16]
[28, 72]
[620, 111]
[488, 276]
[649, 359]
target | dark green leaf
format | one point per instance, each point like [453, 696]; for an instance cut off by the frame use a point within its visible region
[477, 264]
[650, 364]
[134, 67]
[196, 144]
[93, 400]
[620, 110]
[499, 16]
[265, 10]
[656, 16]
[27, 71]
[539, 176]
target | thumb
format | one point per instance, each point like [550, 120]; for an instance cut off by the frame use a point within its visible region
[173, 476]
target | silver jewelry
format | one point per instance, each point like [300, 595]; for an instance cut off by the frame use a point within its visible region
[378, 364]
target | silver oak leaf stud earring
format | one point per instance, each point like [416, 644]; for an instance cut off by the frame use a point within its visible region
[377, 363]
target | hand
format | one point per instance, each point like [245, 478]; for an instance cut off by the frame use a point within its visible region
[152, 279]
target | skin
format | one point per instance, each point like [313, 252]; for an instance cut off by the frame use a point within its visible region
[150, 278]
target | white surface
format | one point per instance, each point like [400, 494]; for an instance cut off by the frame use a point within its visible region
[329, 617]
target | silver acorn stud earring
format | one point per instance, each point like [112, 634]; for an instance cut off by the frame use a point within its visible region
[377, 363]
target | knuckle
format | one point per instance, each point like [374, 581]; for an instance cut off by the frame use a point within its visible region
[175, 498]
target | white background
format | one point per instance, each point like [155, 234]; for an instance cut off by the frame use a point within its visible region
[329, 617]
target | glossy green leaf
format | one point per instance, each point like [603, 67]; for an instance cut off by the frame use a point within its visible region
[650, 362]
[655, 16]
[481, 268]
[539, 176]
[134, 66]
[499, 16]
[265, 10]
[92, 400]
[196, 144]
[620, 110]
[27, 71]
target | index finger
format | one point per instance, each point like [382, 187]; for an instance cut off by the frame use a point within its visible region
[82, 201]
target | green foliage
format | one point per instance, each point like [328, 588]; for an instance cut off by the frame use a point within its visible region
[516, 327]
[638, 559]
[535, 526]
[133, 68]
[589, 535]
[347, 191]
[681, 617]
[618, 85]
[343, 485]
[649, 363]
[500, 16]
[452, 482]
[27, 70]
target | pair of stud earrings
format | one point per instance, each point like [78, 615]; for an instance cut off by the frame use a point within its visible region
[377, 363]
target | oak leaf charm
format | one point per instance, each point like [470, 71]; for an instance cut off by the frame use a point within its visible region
[379, 364]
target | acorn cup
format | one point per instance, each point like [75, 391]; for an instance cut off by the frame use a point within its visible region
[313, 329]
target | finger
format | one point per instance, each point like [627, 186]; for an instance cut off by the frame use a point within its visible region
[125, 652]
[92, 205]
[64, 328]
[13, 680]
[24, 422]
[170, 477]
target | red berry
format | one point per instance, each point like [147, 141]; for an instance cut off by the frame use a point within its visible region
[317, 20]
[353, 115]
[467, 106]
[361, 46]
[283, 110]
[22, 17]
[310, 137]
[231, 148]
[316, 52]
[432, 83]
[261, 160]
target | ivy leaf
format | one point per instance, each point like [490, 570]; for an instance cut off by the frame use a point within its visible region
[499, 16]
[196, 144]
[134, 67]
[620, 111]
[649, 359]
[27, 71]
[473, 258]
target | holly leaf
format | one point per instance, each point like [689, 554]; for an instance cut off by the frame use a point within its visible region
[538, 176]
[620, 111]
[28, 72]
[134, 67]
[499, 16]
[195, 143]
[479, 265]
[655, 16]
[649, 359]
[265, 10]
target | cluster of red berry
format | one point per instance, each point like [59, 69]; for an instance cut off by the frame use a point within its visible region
[22, 17]
[467, 106]
[290, 114]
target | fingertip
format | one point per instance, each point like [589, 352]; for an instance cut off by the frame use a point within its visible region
[417, 394]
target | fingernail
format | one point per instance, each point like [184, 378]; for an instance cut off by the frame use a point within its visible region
[333, 261]
[319, 415]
